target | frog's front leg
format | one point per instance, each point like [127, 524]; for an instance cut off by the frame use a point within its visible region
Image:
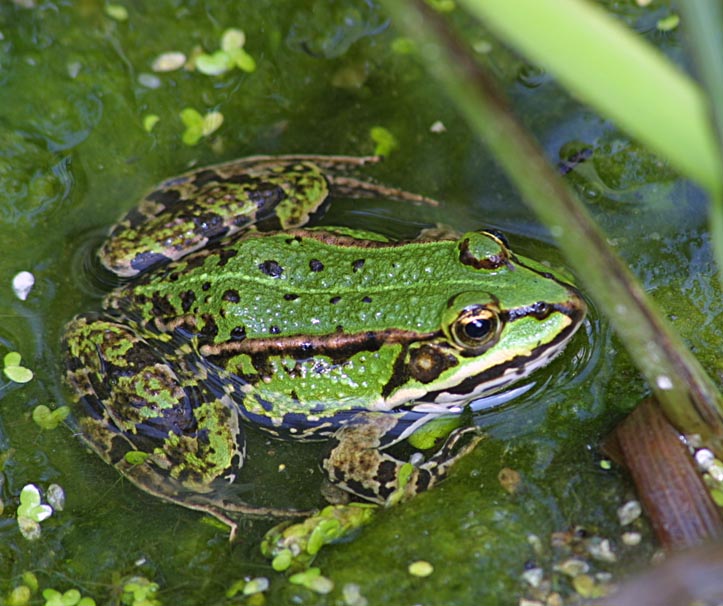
[358, 462]
[143, 410]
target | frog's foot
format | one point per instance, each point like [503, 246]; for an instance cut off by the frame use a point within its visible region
[350, 187]
[359, 464]
[146, 476]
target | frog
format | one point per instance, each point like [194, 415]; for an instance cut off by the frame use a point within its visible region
[234, 308]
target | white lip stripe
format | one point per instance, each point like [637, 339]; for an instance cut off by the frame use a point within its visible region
[446, 402]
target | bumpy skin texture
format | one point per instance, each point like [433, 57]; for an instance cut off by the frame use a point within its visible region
[237, 314]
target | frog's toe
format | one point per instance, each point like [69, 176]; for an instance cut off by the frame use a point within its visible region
[458, 444]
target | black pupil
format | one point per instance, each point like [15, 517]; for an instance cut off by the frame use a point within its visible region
[478, 329]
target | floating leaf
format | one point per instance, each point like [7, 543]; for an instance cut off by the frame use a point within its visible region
[12, 359]
[30, 505]
[312, 579]
[13, 370]
[428, 435]
[236, 587]
[241, 59]
[19, 596]
[420, 568]
[72, 597]
[149, 121]
[295, 545]
[194, 126]
[149, 81]
[117, 12]
[18, 374]
[56, 497]
[49, 419]
[30, 580]
[30, 529]
[232, 39]
[212, 121]
[384, 139]
[139, 591]
[168, 62]
[257, 585]
[191, 117]
[282, 560]
[215, 64]
[135, 457]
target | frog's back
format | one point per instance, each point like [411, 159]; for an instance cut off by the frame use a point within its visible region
[310, 324]
[317, 283]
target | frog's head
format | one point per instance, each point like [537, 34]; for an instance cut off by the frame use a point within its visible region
[512, 316]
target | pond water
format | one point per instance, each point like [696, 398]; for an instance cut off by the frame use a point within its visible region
[77, 87]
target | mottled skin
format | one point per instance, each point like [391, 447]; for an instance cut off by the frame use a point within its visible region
[237, 314]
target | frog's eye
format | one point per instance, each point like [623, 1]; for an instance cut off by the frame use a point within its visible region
[476, 328]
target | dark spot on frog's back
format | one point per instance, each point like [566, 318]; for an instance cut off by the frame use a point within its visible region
[231, 296]
[428, 362]
[271, 268]
[238, 333]
[316, 265]
[358, 264]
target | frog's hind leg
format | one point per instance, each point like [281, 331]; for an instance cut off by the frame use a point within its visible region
[344, 186]
[358, 463]
[145, 412]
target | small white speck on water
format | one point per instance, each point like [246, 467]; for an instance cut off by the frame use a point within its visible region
[23, 283]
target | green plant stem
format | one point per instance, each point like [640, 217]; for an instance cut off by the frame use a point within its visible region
[702, 21]
[686, 393]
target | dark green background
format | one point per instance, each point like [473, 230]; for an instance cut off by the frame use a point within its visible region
[74, 156]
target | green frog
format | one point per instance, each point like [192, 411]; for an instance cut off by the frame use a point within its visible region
[234, 311]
